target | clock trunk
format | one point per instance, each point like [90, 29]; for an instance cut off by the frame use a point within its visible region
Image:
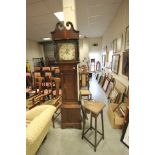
[70, 110]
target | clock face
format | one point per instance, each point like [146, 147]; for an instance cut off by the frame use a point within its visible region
[66, 51]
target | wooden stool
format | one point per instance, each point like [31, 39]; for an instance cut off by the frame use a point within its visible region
[95, 108]
[86, 92]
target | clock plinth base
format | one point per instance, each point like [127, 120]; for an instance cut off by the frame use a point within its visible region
[71, 116]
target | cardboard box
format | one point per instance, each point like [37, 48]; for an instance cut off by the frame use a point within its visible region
[115, 118]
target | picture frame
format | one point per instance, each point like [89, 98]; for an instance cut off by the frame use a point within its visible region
[114, 96]
[104, 78]
[125, 135]
[109, 89]
[119, 43]
[103, 60]
[125, 63]
[115, 63]
[106, 83]
[114, 45]
[101, 80]
[127, 38]
[105, 52]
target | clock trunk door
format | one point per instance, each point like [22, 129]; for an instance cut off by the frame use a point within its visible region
[69, 83]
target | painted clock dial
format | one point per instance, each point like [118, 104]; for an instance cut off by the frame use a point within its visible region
[66, 51]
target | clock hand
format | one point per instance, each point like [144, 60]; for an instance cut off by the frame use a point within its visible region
[67, 51]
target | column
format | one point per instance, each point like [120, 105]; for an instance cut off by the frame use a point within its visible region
[69, 9]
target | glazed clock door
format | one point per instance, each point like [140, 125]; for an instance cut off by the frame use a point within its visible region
[66, 51]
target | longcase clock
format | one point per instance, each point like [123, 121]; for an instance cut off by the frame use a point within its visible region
[66, 51]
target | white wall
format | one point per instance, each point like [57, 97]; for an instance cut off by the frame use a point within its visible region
[33, 50]
[117, 27]
[88, 51]
[83, 49]
[95, 51]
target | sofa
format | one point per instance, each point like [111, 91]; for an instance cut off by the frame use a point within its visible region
[38, 121]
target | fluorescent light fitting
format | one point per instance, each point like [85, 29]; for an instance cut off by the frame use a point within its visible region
[46, 38]
[59, 15]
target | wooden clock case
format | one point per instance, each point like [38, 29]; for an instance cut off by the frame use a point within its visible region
[71, 109]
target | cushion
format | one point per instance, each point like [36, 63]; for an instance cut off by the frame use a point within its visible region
[85, 92]
[28, 122]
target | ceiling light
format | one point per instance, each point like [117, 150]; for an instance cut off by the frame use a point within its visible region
[46, 38]
[59, 15]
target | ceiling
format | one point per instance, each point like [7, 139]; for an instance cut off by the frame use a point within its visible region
[93, 17]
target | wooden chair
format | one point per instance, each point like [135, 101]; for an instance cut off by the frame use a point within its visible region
[56, 91]
[57, 72]
[55, 99]
[40, 94]
[48, 81]
[37, 69]
[86, 93]
[34, 101]
[36, 76]
[46, 69]
[28, 80]
[84, 79]
[84, 85]
[34, 89]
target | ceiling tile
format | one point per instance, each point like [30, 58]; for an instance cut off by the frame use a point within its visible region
[53, 5]
[36, 9]
[93, 16]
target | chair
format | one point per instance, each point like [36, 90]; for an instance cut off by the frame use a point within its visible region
[46, 69]
[34, 89]
[87, 93]
[84, 85]
[55, 99]
[48, 82]
[37, 69]
[56, 90]
[51, 86]
[39, 80]
[34, 101]
[29, 83]
[84, 79]
[28, 80]
[94, 108]
[36, 96]
[57, 72]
